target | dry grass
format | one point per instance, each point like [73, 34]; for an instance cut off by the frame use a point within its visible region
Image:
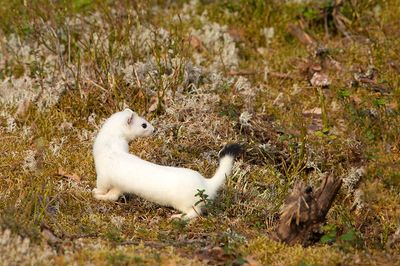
[205, 74]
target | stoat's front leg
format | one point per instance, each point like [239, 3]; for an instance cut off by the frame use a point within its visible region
[112, 195]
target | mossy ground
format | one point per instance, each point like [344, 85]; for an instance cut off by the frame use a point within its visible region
[207, 66]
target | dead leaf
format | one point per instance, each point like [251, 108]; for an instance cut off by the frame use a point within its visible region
[73, 176]
[250, 261]
[393, 105]
[153, 104]
[356, 99]
[196, 43]
[236, 34]
[23, 108]
[393, 239]
[316, 67]
[169, 263]
[316, 119]
[395, 66]
[49, 236]
[66, 126]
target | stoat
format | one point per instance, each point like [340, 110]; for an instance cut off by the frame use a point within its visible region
[120, 172]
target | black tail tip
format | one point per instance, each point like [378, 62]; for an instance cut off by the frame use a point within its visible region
[233, 150]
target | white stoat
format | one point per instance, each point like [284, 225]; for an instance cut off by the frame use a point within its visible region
[120, 172]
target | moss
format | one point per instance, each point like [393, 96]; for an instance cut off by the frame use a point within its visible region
[357, 127]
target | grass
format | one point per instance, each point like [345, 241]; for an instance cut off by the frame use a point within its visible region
[194, 69]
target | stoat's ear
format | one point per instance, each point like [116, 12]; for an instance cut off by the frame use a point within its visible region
[128, 110]
[131, 118]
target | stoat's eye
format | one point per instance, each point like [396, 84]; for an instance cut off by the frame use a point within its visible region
[144, 125]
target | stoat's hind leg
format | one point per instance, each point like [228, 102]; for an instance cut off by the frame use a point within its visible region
[99, 191]
[101, 188]
[112, 195]
[190, 214]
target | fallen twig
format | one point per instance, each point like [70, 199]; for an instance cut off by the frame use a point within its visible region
[300, 34]
[251, 72]
[154, 244]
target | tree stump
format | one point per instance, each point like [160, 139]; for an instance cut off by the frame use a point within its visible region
[305, 211]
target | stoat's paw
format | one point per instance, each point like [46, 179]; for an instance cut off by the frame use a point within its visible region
[112, 195]
[101, 197]
[177, 216]
[97, 191]
[184, 216]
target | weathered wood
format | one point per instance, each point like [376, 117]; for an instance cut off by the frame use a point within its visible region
[305, 211]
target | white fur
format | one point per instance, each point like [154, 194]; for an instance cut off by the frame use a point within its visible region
[119, 172]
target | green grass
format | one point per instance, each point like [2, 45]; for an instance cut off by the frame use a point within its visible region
[76, 55]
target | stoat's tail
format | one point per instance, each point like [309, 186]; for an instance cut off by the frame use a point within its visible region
[226, 159]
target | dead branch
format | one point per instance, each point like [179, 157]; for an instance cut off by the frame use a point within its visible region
[305, 211]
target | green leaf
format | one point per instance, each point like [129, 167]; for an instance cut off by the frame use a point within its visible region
[310, 13]
[344, 93]
[332, 137]
[319, 134]
[370, 135]
[328, 238]
[200, 193]
[349, 236]
[325, 130]
[80, 4]
[330, 234]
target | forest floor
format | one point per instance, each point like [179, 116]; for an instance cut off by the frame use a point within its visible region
[311, 88]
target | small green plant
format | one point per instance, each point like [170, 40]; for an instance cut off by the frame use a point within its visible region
[179, 224]
[231, 240]
[310, 13]
[302, 263]
[205, 202]
[324, 113]
[113, 235]
[203, 198]
[296, 164]
[331, 236]
[344, 94]
[349, 236]
[379, 102]
[330, 231]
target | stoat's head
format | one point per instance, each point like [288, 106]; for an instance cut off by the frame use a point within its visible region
[133, 126]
